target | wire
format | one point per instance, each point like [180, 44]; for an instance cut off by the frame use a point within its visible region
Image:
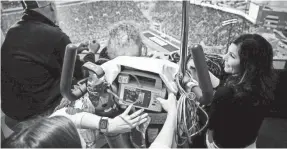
[187, 118]
[138, 81]
[115, 95]
[187, 107]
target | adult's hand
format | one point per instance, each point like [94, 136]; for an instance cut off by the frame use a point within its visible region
[124, 122]
[83, 47]
[169, 105]
[189, 83]
[94, 46]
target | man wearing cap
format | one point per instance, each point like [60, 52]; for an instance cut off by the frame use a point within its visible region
[32, 58]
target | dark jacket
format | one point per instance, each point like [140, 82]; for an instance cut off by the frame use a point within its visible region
[235, 120]
[32, 57]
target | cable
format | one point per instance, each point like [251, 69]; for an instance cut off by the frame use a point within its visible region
[187, 118]
[138, 81]
[96, 93]
[187, 107]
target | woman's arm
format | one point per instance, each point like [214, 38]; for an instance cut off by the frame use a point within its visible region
[191, 85]
[166, 136]
[120, 124]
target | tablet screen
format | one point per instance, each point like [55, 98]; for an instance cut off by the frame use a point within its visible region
[133, 94]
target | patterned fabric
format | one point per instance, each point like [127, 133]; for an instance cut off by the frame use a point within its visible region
[215, 64]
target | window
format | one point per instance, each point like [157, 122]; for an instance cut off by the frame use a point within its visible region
[87, 20]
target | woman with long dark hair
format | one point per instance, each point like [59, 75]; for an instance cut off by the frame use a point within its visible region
[241, 102]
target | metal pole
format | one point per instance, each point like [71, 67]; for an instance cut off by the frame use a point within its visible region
[184, 36]
[184, 43]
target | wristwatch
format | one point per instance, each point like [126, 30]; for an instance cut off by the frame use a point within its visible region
[104, 123]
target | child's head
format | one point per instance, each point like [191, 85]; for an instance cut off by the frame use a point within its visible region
[124, 40]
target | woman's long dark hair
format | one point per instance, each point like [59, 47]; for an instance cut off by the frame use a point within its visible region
[256, 69]
[54, 132]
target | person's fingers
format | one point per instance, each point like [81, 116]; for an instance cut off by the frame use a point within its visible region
[186, 79]
[140, 122]
[188, 86]
[171, 95]
[126, 112]
[161, 101]
[169, 91]
[81, 49]
[83, 45]
[137, 113]
[137, 119]
[123, 106]
[94, 46]
[133, 109]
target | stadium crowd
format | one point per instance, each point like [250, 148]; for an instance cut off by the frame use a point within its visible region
[46, 106]
[10, 4]
[89, 20]
[205, 24]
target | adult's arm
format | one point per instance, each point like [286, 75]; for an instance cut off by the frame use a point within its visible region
[191, 85]
[120, 124]
[166, 136]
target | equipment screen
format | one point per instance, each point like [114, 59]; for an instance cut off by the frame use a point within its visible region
[134, 94]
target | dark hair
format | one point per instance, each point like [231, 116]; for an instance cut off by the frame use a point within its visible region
[54, 132]
[256, 68]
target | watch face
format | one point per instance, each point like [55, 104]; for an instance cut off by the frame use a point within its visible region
[103, 124]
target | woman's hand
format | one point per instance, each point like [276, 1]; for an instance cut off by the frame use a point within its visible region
[83, 47]
[170, 104]
[94, 46]
[124, 122]
[191, 85]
